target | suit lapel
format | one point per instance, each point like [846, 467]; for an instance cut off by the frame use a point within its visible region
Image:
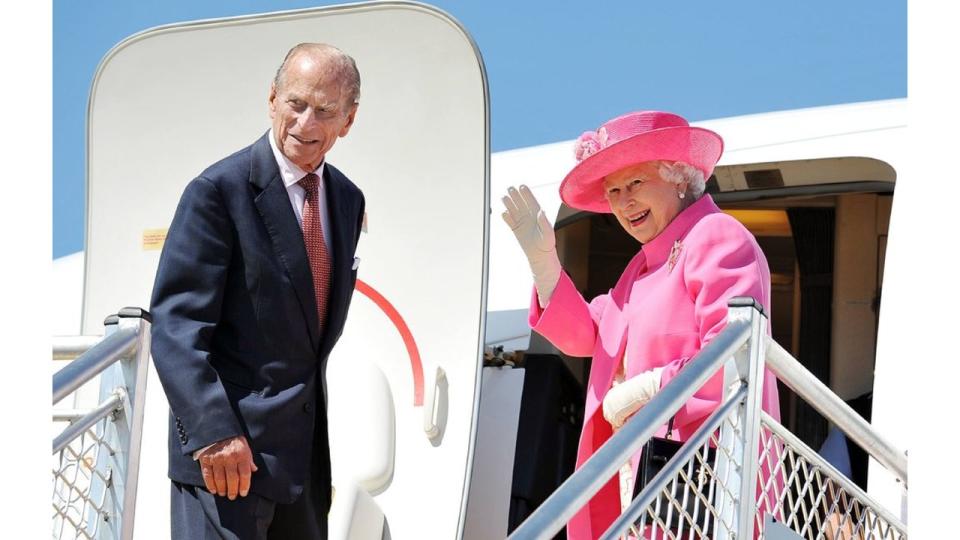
[273, 204]
[341, 224]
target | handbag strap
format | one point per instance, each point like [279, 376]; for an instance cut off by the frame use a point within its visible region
[670, 427]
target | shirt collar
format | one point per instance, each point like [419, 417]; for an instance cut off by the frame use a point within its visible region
[289, 171]
[658, 249]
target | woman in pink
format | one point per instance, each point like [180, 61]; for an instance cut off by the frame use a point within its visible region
[649, 169]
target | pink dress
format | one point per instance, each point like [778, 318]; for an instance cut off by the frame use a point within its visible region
[670, 301]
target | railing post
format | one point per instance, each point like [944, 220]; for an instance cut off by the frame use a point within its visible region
[108, 528]
[134, 370]
[746, 368]
[129, 374]
[729, 456]
[127, 378]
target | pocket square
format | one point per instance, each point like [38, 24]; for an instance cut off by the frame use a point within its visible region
[356, 263]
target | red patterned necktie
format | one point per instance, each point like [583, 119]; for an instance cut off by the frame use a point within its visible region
[320, 266]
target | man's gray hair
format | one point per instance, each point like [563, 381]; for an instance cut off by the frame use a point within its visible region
[342, 63]
[678, 172]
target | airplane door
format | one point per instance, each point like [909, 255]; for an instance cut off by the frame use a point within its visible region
[170, 101]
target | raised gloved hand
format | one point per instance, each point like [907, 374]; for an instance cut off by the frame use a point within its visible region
[626, 398]
[535, 235]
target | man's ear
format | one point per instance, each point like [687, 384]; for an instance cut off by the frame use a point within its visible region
[272, 99]
[351, 116]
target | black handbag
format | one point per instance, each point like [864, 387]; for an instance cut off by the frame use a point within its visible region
[656, 453]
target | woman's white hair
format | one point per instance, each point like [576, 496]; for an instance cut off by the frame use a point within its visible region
[678, 172]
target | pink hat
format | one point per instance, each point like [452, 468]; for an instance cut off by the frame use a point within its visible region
[631, 139]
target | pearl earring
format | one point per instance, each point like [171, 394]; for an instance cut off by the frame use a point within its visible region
[681, 195]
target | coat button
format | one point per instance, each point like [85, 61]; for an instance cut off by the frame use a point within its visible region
[307, 407]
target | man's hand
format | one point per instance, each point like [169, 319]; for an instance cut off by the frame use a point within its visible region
[227, 466]
[626, 398]
[535, 235]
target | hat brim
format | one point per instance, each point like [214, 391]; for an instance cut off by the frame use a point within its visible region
[582, 188]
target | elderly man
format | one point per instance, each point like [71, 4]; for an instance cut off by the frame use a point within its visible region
[251, 294]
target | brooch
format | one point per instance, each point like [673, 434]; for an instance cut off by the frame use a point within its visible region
[674, 254]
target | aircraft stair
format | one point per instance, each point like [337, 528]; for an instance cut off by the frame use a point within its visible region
[714, 487]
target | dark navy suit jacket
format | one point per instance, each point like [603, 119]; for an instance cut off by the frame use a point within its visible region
[235, 336]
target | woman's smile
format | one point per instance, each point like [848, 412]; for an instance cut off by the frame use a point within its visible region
[639, 219]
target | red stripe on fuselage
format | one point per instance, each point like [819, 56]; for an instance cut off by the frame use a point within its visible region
[405, 333]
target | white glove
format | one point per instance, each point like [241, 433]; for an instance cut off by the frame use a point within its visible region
[626, 398]
[535, 235]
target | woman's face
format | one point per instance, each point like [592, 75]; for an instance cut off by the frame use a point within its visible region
[643, 202]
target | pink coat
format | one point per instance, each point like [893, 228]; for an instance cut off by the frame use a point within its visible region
[670, 301]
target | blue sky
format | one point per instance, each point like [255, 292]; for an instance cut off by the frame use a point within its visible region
[555, 68]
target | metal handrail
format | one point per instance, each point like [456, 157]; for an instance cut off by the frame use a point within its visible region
[69, 415]
[806, 385]
[89, 364]
[126, 351]
[89, 420]
[70, 347]
[744, 327]
[563, 503]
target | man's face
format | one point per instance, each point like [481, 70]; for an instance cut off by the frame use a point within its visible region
[309, 110]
